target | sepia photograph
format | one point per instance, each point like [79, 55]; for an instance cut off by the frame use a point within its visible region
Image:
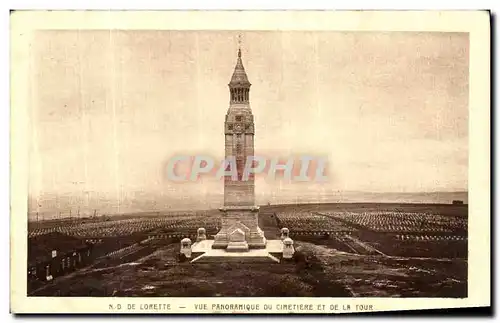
[247, 163]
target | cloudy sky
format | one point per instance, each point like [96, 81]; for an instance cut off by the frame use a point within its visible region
[108, 109]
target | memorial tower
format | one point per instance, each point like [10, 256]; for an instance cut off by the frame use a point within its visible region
[240, 228]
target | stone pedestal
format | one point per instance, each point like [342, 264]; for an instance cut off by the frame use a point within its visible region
[240, 229]
[205, 253]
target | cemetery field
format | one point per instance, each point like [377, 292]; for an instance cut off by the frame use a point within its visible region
[371, 250]
[414, 230]
[118, 226]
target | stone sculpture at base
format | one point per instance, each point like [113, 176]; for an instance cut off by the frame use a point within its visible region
[237, 241]
[285, 233]
[201, 234]
[186, 247]
[288, 250]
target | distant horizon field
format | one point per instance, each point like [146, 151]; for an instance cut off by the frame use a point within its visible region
[341, 206]
[66, 206]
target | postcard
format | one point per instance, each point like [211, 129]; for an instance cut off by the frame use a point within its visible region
[249, 162]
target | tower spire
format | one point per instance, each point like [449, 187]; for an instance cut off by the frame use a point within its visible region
[239, 86]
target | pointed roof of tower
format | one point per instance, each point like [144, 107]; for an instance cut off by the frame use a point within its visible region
[239, 75]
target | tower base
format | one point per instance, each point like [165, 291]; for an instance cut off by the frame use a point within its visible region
[240, 229]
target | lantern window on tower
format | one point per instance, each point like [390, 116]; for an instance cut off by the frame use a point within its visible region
[239, 84]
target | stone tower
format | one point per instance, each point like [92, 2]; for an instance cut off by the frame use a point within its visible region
[240, 228]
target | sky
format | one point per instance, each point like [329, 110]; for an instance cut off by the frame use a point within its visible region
[389, 110]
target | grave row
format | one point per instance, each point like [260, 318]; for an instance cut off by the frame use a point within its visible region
[431, 238]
